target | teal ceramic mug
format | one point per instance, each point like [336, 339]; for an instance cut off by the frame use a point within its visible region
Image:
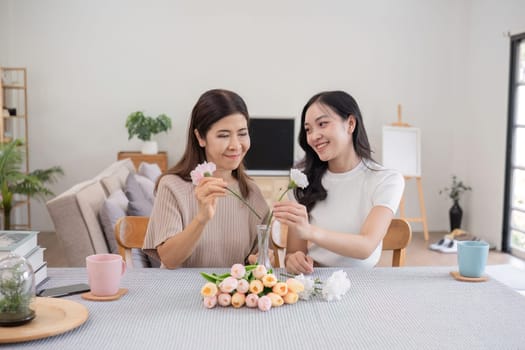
[472, 258]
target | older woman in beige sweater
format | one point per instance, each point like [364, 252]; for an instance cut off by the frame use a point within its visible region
[203, 225]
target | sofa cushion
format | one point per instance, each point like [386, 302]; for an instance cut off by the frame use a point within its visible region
[113, 209]
[150, 170]
[117, 168]
[147, 186]
[139, 204]
[115, 181]
[90, 201]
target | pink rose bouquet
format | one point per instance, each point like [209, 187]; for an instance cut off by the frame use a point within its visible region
[251, 286]
[254, 286]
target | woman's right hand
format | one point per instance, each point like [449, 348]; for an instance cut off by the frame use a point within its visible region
[207, 192]
[299, 262]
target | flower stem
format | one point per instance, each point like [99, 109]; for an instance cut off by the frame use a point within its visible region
[269, 221]
[246, 203]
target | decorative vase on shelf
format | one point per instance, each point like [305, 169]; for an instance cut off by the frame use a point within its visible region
[17, 291]
[263, 241]
[455, 215]
[150, 147]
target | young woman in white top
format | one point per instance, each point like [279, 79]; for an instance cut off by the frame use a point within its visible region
[202, 226]
[340, 219]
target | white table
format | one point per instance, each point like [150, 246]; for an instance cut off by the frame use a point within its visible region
[386, 308]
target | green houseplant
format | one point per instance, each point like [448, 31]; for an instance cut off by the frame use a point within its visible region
[17, 289]
[144, 127]
[454, 192]
[15, 181]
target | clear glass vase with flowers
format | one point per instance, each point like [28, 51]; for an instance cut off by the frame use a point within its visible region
[297, 179]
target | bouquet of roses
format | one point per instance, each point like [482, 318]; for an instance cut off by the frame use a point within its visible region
[250, 285]
[257, 287]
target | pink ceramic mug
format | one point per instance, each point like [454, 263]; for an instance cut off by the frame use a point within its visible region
[104, 273]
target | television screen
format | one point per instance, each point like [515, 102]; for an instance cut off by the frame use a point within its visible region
[272, 145]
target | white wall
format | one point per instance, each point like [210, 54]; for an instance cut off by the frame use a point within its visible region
[92, 63]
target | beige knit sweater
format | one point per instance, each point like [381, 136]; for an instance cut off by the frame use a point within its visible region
[227, 239]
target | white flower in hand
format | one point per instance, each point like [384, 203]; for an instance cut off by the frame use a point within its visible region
[201, 171]
[336, 286]
[297, 179]
[206, 170]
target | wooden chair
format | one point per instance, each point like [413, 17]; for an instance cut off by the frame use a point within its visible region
[129, 233]
[279, 235]
[397, 239]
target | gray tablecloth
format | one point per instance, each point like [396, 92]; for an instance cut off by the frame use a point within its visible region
[386, 308]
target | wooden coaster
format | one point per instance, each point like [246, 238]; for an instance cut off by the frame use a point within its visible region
[89, 296]
[457, 276]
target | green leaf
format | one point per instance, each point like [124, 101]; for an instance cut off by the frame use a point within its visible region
[208, 277]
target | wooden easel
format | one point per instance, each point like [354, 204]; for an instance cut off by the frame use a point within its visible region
[423, 218]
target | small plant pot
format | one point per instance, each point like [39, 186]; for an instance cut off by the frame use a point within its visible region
[17, 291]
[150, 147]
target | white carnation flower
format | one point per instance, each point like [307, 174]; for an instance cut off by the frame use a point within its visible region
[309, 286]
[298, 178]
[336, 286]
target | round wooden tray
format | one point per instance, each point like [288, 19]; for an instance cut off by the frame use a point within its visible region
[53, 316]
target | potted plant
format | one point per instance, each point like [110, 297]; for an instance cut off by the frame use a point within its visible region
[144, 127]
[17, 289]
[454, 192]
[15, 181]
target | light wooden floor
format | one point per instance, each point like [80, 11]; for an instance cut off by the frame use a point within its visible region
[418, 253]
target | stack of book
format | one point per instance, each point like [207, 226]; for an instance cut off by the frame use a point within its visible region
[24, 243]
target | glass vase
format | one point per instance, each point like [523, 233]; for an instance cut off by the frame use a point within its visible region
[17, 291]
[263, 242]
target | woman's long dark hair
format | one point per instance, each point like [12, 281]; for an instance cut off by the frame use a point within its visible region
[345, 106]
[212, 106]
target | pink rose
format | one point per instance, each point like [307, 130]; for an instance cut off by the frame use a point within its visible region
[238, 271]
[256, 286]
[259, 272]
[228, 285]
[291, 298]
[252, 300]
[269, 280]
[201, 171]
[276, 299]
[294, 285]
[209, 289]
[280, 288]
[224, 299]
[243, 286]
[210, 302]
[238, 300]
[264, 303]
